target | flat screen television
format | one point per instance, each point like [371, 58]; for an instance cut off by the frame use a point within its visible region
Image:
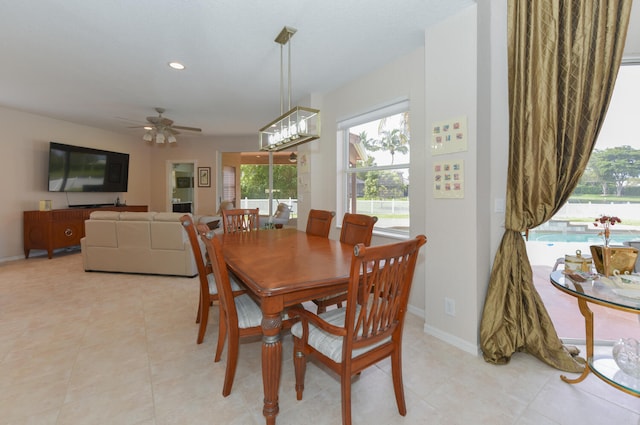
[81, 169]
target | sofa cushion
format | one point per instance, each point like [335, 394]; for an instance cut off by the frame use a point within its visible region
[137, 216]
[168, 235]
[100, 232]
[104, 215]
[133, 234]
[168, 216]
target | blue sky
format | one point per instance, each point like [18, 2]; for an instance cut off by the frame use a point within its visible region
[623, 116]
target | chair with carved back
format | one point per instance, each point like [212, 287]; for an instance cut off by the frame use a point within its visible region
[356, 228]
[240, 220]
[242, 315]
[319, 222]
[208, 289]
[369, 329]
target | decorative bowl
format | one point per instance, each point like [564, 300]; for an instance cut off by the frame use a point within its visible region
[626, 353]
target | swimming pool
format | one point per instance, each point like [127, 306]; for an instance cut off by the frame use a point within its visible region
[584, 237]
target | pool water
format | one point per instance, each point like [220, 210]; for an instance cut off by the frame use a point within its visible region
[590, 238]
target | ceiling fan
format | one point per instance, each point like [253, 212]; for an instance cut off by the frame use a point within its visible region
[161, 128]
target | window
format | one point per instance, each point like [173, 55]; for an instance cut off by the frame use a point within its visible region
[229, 184]
[609, 186]
[255, 181]
[376, 166]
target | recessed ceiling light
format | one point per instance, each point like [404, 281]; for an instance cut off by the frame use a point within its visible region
[176, 65]
[148, 128]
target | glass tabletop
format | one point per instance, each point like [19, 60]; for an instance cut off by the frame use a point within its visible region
[611, 292]
[606, 367]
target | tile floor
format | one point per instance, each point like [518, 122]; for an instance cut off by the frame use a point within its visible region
[97, 348]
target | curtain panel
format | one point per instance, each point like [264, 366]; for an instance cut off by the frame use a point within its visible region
[563, 62]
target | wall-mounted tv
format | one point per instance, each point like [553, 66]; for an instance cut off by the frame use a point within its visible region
[81, 169]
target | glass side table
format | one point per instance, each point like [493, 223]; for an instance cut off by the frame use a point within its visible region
[598, 292]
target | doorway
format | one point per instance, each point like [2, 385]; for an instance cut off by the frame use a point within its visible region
[181, 192]
[256, 186]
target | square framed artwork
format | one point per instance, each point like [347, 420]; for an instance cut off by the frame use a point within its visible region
[449, 136]
[204, 176]
[448, 179]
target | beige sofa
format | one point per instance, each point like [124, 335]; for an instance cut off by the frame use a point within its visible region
[137, 242]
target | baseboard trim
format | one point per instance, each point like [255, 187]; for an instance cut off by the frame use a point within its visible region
[453, 340]
[19, 257]
[416, 311]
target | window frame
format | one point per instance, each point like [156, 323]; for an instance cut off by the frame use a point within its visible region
[398, 106]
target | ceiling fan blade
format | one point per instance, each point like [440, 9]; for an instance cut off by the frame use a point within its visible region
[127, 119]
[180, 127]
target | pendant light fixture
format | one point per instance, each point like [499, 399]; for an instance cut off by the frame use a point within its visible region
[300, 124]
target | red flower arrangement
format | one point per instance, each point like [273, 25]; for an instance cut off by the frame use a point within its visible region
[606, 221]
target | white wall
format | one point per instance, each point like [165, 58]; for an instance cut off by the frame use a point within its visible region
[466, 74]
[458, 229]
[403, 77]
[24, 166]
[493, 109]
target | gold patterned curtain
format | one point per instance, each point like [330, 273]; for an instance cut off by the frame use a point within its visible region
[563, 62]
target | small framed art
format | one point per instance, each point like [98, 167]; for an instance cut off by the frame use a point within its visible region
[204, 176]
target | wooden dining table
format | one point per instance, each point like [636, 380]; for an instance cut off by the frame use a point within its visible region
[281, 268]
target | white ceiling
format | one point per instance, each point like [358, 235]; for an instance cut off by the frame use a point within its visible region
[104, 63]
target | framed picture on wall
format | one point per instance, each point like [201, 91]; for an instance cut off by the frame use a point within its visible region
[204, 176]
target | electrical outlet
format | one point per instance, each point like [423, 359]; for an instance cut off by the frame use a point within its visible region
[449, 306]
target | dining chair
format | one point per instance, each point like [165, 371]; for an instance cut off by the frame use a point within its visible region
[240, 220]
[319, 222]
[242, 316]
[356, 228]
[347, 340]
[208, 289]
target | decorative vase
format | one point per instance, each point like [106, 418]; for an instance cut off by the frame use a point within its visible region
[626, 353]
[606, 259]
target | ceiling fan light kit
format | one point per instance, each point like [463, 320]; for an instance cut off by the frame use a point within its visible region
[300, 124]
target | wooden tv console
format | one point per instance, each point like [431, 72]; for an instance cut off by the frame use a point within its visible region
[62, 228]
